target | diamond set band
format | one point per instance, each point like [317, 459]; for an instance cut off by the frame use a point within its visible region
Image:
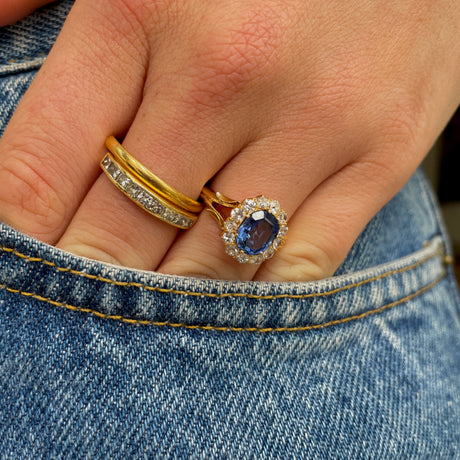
[144, 197]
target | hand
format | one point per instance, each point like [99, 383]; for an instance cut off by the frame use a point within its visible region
[327, 107]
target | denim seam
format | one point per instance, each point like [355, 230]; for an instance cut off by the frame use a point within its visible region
[440, 252]
[230, 328]
[437, 217]
[24, 59]
[15, 66]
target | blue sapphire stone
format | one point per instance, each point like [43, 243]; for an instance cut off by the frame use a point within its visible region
[257, 232]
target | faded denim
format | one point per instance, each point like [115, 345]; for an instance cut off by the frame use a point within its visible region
[98, 361]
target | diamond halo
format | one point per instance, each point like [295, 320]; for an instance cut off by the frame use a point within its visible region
[242, 218]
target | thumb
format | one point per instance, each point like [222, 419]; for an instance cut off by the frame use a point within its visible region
[13, 10]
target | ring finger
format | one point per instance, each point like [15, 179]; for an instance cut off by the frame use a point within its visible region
[258, 170]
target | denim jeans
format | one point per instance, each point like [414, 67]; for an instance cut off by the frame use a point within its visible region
[99, 361]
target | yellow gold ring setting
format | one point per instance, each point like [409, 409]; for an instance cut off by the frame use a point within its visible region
[147, 190]
[255, 229]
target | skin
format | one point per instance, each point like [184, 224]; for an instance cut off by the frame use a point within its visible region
[328, 107]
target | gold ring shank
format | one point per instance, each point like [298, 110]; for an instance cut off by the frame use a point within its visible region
[144, 196]
[159, 187]
[211, 199]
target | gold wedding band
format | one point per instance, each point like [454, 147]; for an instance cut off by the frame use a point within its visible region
[149, 179]
[147, 190]
[255, 228]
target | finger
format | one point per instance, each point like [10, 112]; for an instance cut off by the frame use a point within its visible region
[50, 150]
[260, 169]
[327, 224]
[13, 10]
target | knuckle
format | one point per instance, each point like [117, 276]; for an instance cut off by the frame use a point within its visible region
[302, 261]
[234, 56]
[149, 17]
[399, 129]
[85, 245]
[29, 197]
[399, 140]
[142, 10]
[337, 85]
[402, 119]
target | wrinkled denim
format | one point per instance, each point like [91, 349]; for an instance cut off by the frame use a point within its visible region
[98, 361]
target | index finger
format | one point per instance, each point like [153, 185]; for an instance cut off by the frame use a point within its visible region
[49, 152]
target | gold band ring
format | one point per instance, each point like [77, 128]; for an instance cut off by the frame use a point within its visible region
[161, 188]
[255, 229]
[144, 196]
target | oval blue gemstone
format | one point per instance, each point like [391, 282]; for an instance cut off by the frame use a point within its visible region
[257, 232]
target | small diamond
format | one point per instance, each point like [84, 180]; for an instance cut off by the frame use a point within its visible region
[249, 205]
[188, 222]
[237, 214]
[134, 191]
[283, 230]
[180, 221]
[231, 250]
[107, 162]
[263, 202]
[258, 259]
[269, 253]
[174, 218]
[242, 258]
[152, 204]
[144, 199]
[159, 209]
[282, 217]
[228, 237]
[274, 207]
[277, 243]
[124, 181]
[112, 170]
[167, 214]
[230, 225]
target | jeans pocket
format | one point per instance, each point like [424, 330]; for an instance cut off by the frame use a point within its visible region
[103, 362]
[138, 297]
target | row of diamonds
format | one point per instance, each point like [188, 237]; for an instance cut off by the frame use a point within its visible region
[243, 211]
[143, 197]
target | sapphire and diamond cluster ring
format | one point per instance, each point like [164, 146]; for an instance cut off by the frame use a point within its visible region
[252, 229]
[255, 229]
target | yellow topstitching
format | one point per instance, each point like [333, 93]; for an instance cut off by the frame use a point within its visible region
[25, 59]
[229, 328]
[220, 295]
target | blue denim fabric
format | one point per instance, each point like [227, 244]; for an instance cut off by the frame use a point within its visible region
[98, 361]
